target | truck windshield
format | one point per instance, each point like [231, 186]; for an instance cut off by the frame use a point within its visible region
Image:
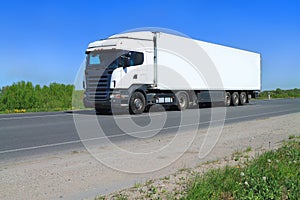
[111, 58]
[104, 58]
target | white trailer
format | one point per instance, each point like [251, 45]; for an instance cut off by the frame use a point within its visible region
[138, 69]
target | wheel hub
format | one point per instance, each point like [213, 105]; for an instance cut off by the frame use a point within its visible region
[228, 99]
[138, 104]
[182, 101]
[236, 99]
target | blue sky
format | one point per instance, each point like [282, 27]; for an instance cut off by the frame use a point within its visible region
[44, 41]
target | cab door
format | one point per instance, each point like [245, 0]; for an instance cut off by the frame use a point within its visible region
[131, 72]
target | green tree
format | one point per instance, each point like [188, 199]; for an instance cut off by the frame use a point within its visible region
[1, 103]
[24, 95]
[278, 91]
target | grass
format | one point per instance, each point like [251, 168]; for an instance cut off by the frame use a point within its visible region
[137, 185]
[115, 197]
[36, 110]
[149, 182]
[292, 137]
[33, 110]
[76, 103]
[248, 149]
[273, 175]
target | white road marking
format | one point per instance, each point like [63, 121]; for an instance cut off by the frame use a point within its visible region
[119, 135]
[135, 116]
[64, 114]
[36, 116]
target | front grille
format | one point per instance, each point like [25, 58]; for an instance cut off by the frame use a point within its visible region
[98, 84]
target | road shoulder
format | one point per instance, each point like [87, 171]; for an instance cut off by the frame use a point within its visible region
[78, 175]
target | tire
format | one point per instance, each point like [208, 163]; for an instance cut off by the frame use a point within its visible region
[227, 100]
[243, 98]
[137, 103]
[182, 100]
[235, 100]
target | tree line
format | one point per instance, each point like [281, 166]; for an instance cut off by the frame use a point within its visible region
[26, 96]
[279, 93]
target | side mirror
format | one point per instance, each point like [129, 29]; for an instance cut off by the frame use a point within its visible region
[124, 61]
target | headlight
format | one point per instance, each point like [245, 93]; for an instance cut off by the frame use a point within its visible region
[118, 95]
[115, 95]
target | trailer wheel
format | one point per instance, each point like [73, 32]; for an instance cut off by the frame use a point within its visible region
[235, 99]
[243, 98]
[227, 100]
[137, 103]
[182, 100]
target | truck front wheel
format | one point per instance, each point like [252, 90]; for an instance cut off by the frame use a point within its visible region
[137, 103]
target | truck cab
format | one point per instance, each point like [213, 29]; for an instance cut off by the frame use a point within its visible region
[113, 66]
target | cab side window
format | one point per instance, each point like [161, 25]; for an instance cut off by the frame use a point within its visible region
[136, 58]
[132, 58]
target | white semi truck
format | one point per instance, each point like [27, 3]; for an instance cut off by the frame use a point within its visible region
[135, 70]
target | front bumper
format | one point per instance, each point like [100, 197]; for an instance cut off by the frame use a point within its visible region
[116, 100]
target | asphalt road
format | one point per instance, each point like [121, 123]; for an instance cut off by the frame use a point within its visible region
[35, 134]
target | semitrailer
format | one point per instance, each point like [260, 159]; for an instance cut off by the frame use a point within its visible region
[136, 70]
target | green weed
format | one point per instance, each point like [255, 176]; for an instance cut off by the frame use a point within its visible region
[273, 175]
